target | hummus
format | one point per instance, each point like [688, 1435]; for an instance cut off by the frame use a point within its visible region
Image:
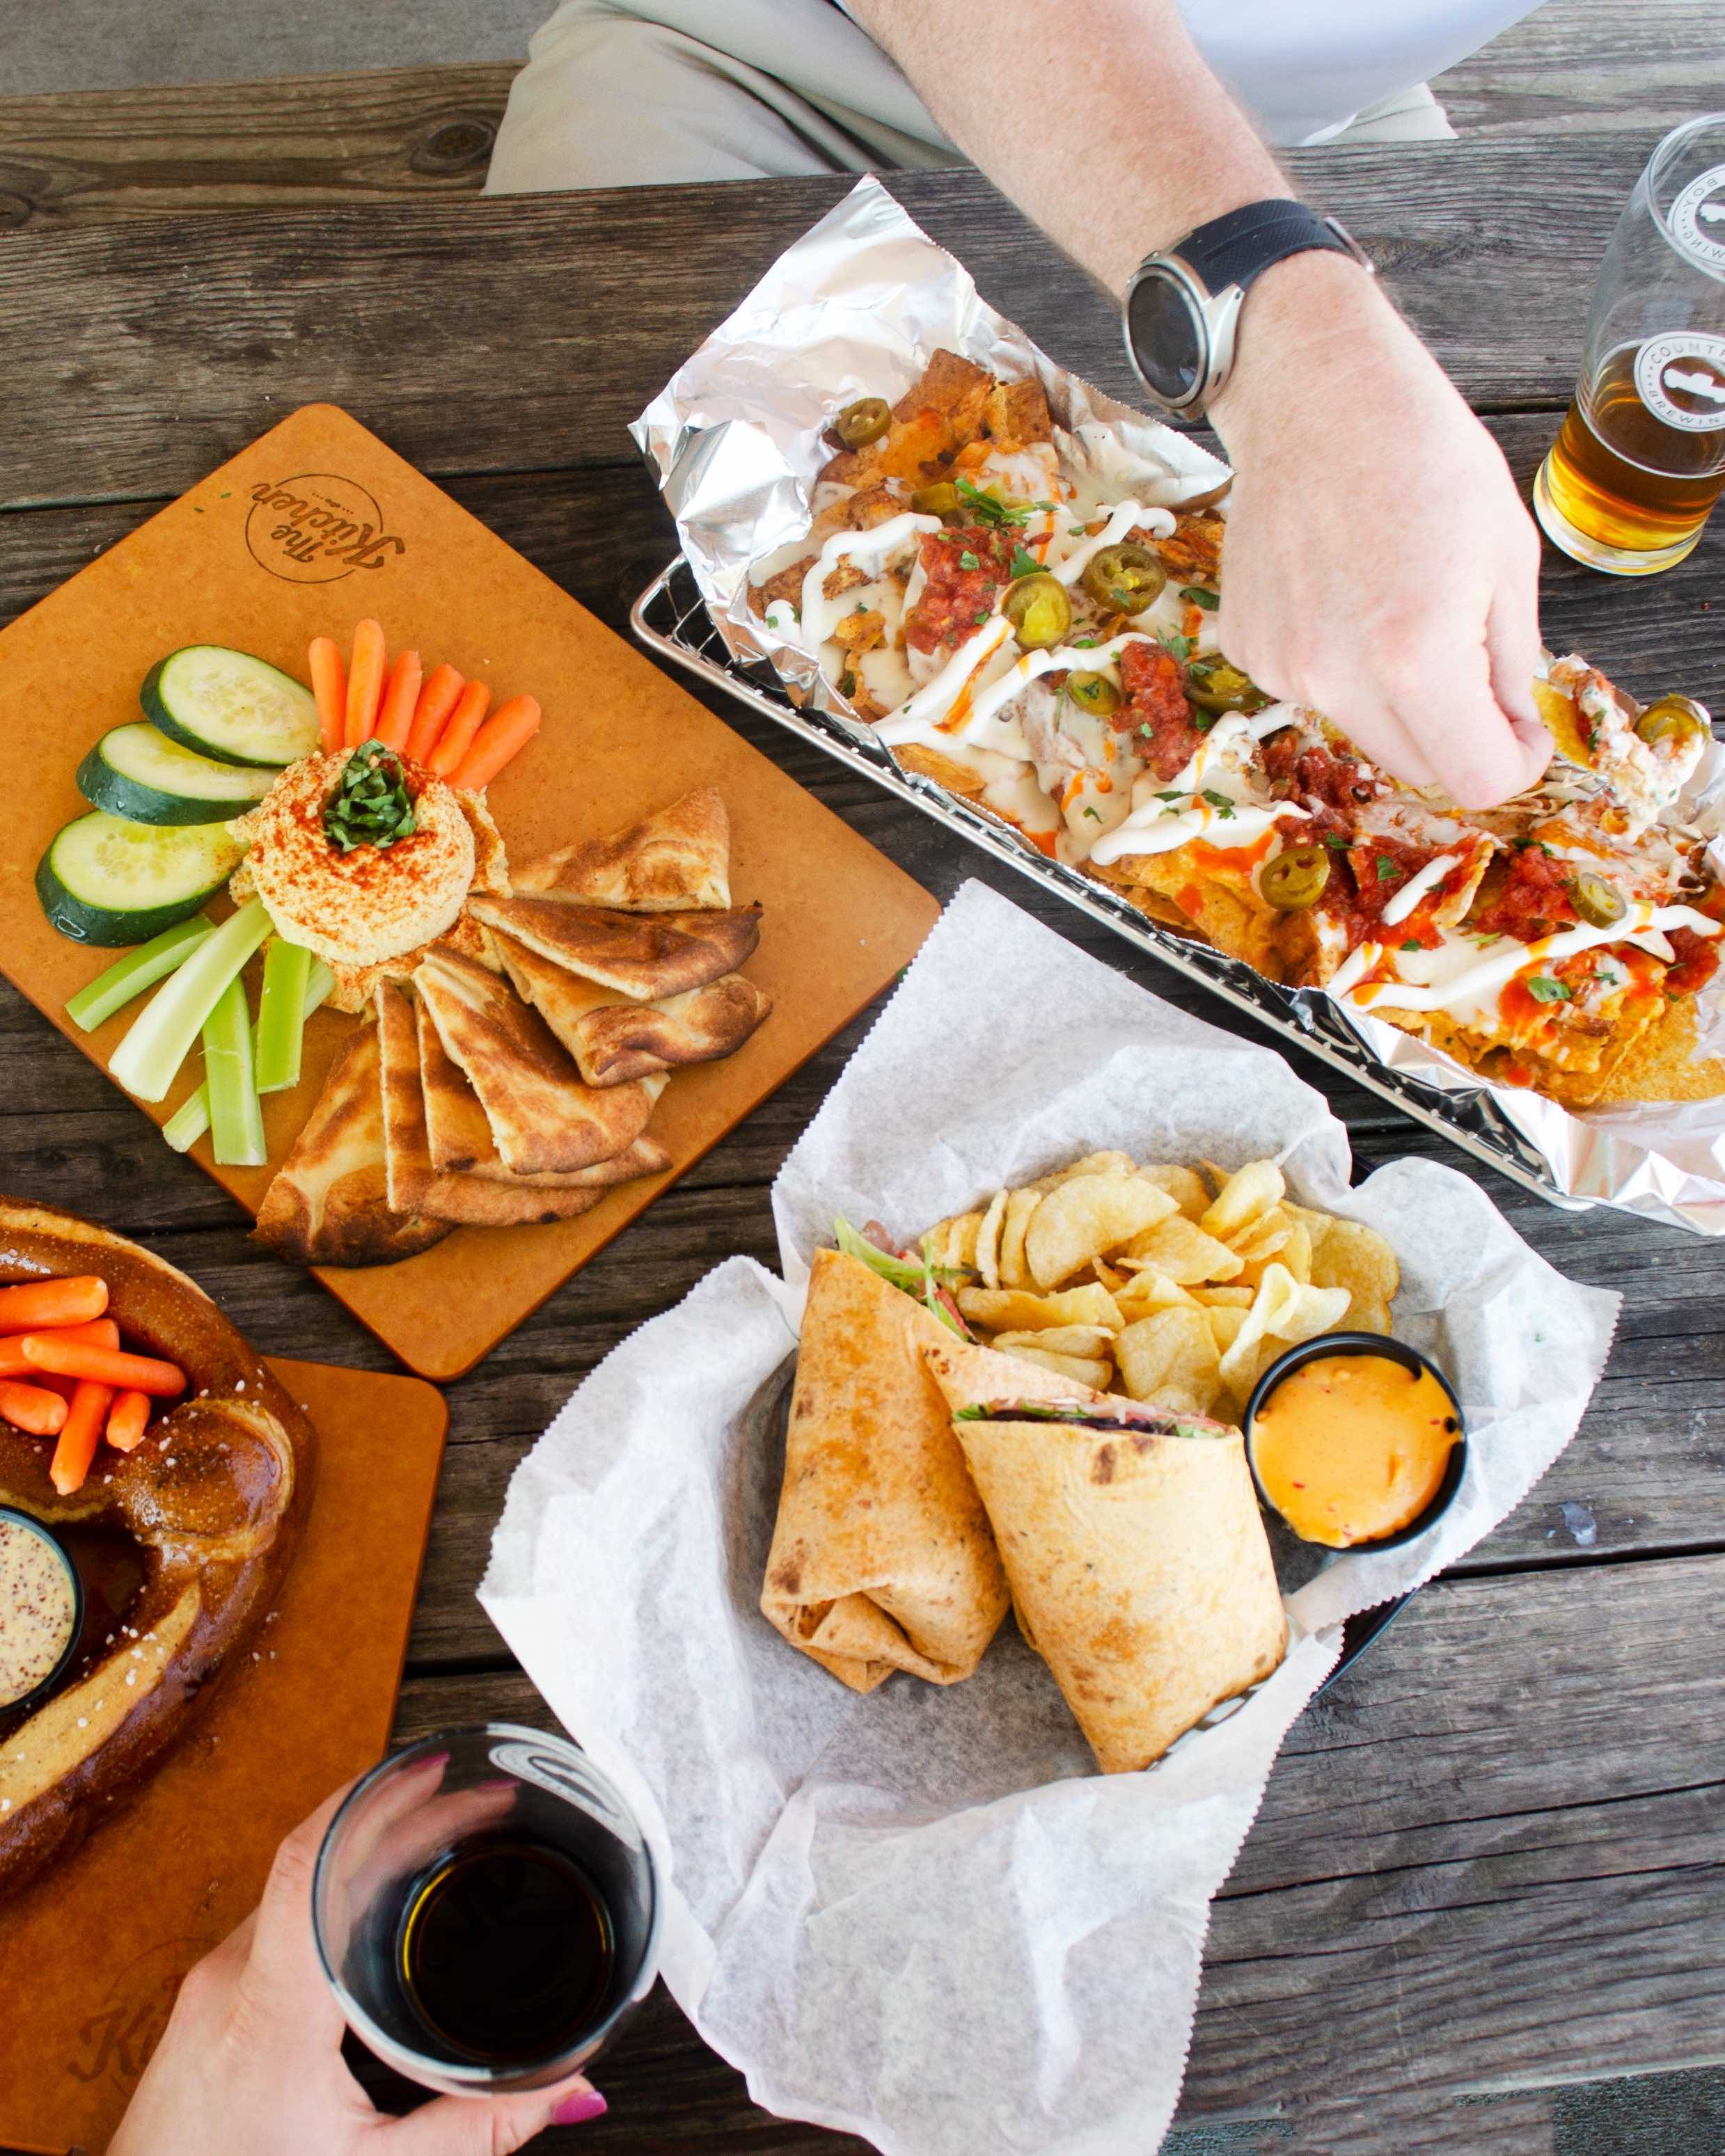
[374, 903]
[38, 1609]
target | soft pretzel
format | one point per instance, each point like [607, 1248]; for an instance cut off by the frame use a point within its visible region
[214, 1499]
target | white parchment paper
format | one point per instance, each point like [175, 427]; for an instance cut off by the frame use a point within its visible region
[920, 1916]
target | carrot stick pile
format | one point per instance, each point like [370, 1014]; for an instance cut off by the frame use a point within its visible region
[63, 1373]
[438, 719]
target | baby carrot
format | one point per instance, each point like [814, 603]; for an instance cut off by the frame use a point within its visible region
[103, 1366]
[28, 1407]
[456, 738]
[34, 1304]
[329, 687]
[395, 714]
[504, 735]
[79, 1436]
[126, 1418]
[99, 1332]
[437, 700]
[365, 682]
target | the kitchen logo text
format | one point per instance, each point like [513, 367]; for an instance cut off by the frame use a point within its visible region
[317, 527]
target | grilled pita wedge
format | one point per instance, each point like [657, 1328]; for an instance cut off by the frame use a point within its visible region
[677, 858]
[645, 956]
[329, 1204]
[614, 1038]
[461, 1140]
[542, 1117]
[414, 1185]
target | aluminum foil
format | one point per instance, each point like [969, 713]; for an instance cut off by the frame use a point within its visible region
[856, 308]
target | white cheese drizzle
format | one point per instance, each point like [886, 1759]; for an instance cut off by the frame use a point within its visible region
[1416, 887]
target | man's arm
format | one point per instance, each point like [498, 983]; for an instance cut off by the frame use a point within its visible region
[1380, 565]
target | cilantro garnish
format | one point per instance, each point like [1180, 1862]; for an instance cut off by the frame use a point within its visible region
[1544, 989]
[1096, 813]
[1173, 793]
[1335, 840]
[967, 560]
[1387, 871]
[1074, 531]
[988, 509]
[982, 614]
[1196, 595]
[1220, 803]
[1413, 943]
[1180, 647]
[1084, 643]
[847, 685]
[1024, 563]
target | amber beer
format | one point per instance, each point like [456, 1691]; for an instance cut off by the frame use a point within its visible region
[1640, 460]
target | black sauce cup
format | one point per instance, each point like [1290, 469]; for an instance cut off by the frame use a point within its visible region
[15, 1710]
[1393, 1351]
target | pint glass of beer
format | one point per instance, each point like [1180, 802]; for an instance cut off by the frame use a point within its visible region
[1640, 460]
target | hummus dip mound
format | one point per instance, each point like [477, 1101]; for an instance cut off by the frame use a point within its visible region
[375, 902]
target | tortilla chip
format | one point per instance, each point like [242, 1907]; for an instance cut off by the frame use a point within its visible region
[329, 1204]
[642, 956]
[673, 859]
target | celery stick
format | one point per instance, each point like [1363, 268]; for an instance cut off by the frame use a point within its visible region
[236, 1121]
[138, 970]
[191, 1119]
[281, 1015]
[146, 1062]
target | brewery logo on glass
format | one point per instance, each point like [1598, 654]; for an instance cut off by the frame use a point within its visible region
[317, 526]
[1680, 377]
[1697, 218]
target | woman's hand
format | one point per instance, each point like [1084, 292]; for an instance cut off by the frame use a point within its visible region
[251, 2063]
[1379, 564]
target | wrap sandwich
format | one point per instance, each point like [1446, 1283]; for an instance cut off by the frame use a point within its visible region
[1132, 1541]
[882, 1559]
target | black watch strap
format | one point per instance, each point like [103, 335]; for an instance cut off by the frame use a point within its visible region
[1234, 248]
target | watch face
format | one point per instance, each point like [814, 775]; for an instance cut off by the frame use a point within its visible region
[1166, 335]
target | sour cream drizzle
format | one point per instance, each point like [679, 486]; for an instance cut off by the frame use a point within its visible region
[1220, 766]
[1416, 887]
[868, 551]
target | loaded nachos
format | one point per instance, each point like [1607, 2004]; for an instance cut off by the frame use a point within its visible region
[1051, 657]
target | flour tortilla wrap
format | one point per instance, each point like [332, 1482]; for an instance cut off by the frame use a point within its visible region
[1137, 1558]
[881, 1559]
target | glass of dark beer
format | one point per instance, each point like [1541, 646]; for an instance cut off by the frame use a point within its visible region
[486, 1910]
[1640, 460]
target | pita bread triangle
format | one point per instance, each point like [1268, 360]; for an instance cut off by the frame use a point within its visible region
[542, 1117]
[676, 858]
[641, 956]
[329, 1202]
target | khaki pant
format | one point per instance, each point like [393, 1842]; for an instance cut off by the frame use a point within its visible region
[642, 93]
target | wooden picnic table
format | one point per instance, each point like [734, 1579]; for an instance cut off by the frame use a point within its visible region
[1488, 1865]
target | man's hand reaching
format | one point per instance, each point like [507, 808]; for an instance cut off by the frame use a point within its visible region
[1380, 566]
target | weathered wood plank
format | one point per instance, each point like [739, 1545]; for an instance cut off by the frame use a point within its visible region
[1590, 66]
[131, 376]
[406, 135]
[1450, 1831]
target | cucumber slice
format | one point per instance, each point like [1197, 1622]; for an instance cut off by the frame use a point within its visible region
[229, 706]
[136, 772]
[106, 880]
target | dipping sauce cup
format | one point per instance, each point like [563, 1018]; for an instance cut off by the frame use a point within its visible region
[41, 1611]
[1356, 1440]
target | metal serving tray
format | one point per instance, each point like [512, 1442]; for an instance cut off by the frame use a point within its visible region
[671, 618]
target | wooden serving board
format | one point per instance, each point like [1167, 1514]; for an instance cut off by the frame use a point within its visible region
[314, 526]
[95, 1949]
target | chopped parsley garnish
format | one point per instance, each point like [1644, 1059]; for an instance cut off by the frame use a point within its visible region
[1180, 647]
[1074, 531]
[847, 685]
[967, 560]
[1220, 803]
[1096, 813]
[1204, 720]
[988, 509]
[1413, 943]
[1024, 562]
[1544, 989]
[1173, 793]
[1084, 643]
[372, 806]
[1196, 595]
[1387, 871]
[1336, 842]
[982, 614]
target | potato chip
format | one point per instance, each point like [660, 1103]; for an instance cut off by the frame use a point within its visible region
[1184, 1252]
[1224, 1321]
[1264, 1238]
[1020, 1205]
[1356, 1257]
[1105, 1274]
[1085, 1218]
[1316, 1224]
[1014, 1310]
[952, 1243]
[1171, 1357]
[1093, 1163]
[1147, 1289]
[1082, 1369]
[1284, 1310]
[1096, 1341]
[1295, 1254]
[1367, 1316]
[1247, 1195]
[1184, 1185]
[1231, 1297]
[988, 1240]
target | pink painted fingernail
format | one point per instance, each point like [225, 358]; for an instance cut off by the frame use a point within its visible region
[577, 2109]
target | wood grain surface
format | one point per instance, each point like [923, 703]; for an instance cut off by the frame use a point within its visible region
[1487, 1873]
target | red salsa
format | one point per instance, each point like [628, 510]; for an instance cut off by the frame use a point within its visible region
[1154, 708]
[965, 572]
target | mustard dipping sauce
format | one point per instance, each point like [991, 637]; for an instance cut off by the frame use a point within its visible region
[1352, 1448]
[38, 1611]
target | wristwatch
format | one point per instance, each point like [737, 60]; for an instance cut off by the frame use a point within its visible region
[1182, 307]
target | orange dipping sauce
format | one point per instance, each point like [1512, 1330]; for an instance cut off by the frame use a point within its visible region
[1352, 1448]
